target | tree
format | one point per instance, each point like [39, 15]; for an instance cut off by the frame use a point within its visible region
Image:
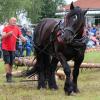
[36, 9]
[49, 7]
[8, 8]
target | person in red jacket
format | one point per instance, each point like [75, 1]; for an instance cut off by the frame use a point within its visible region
[11, 33]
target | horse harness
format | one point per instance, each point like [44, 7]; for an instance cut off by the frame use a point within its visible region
[57, 36]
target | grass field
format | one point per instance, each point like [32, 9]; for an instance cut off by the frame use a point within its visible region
[89, 85]
[92, 57]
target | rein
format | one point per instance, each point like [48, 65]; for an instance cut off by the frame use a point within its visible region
[43, 50]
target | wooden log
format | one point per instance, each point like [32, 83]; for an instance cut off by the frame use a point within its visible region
[60, 74]
[84, 65]
[30, 63]
[21, 61]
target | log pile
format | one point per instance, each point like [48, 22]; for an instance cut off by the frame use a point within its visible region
[59, 75]
[30, 61]
[84, 65]
[24, 61]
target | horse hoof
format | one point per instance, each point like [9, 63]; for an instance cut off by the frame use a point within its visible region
[41, 87]
[68, 93]
[76, 91]
[54, 88]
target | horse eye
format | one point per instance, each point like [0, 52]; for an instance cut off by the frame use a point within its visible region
[75, 17]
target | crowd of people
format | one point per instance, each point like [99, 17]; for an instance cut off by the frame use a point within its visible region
[27, 47]
[22, 49]
[93, 33]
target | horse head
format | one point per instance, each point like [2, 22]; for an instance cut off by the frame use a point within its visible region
[74, 23]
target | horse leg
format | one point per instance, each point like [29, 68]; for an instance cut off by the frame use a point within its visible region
[46, 67]
[41, 73]
[68, 87]
[76, 73]
[51, 78]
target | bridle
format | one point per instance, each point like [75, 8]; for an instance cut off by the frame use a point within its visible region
[74, 32]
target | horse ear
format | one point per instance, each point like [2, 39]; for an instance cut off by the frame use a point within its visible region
[85, 11]
[71, 6]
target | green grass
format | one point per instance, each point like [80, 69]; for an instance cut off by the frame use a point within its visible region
[89, 85]
[88, 82]
[92, 57]
[1, 67]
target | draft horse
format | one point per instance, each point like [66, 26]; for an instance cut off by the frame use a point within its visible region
[54, 42]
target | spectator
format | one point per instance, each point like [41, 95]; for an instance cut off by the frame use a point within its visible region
[19, 48]
[28, 45]
[0, 46]
[92, 34]
[24, 29]
[9, 37]
[93, 30]
[98, 37]
[1, 29]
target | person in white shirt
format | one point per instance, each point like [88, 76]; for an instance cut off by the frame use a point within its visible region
[1, 30]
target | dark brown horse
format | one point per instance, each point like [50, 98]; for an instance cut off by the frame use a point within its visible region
[54, 43]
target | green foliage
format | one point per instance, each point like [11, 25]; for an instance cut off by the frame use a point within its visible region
[48, 8]
[8, 8]
[36, 9]
[1, 67]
